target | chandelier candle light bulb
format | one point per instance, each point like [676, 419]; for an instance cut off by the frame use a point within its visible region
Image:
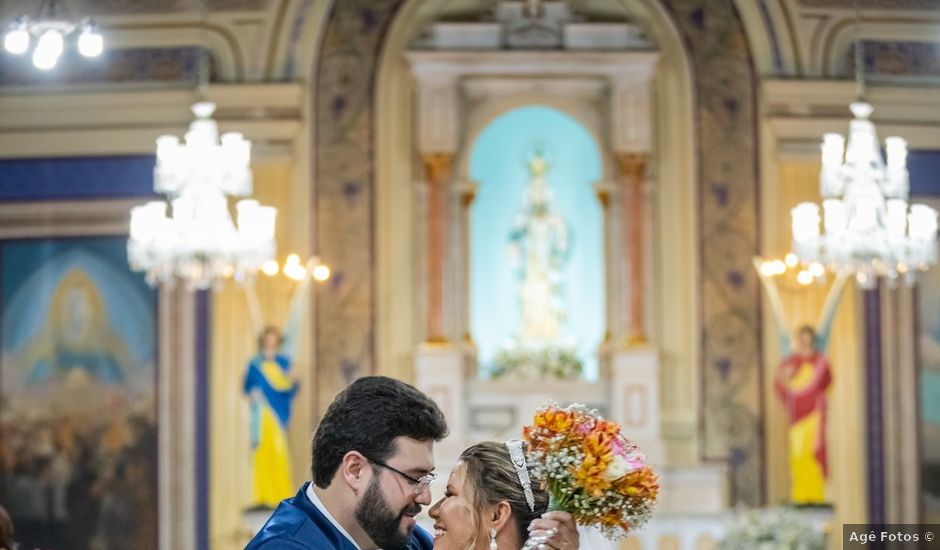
[270, 268]
[48, 50]
[90, 42]
[16, 40]
[293, 269]
[51, 33]
[321, 273]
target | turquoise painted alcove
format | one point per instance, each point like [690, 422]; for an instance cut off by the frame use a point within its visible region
[497, 163]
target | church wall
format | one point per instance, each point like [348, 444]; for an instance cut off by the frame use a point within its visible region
[726, 194]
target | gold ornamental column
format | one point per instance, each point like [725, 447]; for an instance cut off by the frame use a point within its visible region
[467, 193]
[603, 192]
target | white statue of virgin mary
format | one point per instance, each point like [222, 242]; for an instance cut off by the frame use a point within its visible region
[538, 249]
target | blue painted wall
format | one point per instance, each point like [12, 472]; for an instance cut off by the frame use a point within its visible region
[38, 179]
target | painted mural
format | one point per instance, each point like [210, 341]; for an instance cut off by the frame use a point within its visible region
[78, 445]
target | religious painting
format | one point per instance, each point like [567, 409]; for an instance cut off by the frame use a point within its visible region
[78, 437]
[928, 343]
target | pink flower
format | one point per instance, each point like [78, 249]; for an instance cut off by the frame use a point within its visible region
[618, 448]
[636, 460]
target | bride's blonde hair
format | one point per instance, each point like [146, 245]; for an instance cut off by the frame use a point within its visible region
[490, 479]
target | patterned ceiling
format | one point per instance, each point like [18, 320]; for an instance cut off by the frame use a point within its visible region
[116, 7]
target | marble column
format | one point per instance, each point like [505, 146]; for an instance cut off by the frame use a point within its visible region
[438, 168]
[632, 175]
[177, 420]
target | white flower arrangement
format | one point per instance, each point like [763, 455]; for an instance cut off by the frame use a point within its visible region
[772, 529]
[553, 361]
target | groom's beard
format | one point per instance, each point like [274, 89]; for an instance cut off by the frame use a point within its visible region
[380, 522]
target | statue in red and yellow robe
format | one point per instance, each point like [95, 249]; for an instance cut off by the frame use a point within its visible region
[802, 381]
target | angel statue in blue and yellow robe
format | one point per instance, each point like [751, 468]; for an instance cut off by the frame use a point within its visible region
[271, 387]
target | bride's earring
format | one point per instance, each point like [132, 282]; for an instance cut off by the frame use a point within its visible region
[493, 539]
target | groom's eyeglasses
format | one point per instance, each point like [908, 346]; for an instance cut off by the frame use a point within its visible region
[419, 484]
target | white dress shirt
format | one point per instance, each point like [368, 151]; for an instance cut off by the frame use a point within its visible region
[312, 495]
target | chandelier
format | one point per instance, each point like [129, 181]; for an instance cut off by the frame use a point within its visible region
[869, 229]
[50, 31]
[198, 242]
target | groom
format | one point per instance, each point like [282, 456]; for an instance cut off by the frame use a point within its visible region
[372, 466]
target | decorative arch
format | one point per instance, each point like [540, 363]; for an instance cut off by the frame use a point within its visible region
[836, 55]
[713, 120]
[491, 109]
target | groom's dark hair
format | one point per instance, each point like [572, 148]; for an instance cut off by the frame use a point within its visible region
[367, 417]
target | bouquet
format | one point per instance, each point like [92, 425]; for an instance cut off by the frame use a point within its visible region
[590, 469]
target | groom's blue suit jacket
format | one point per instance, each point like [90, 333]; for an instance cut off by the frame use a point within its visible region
[298, 525]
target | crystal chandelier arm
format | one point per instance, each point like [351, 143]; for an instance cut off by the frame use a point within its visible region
[776, 307]
[859, 54]
[824, 325]
[50, 9]
[202, 68]
[254, 307]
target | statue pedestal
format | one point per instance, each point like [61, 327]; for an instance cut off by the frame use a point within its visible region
[634, 398]
[440, 373]
[498, 409]
[695, 490]
[252, 522]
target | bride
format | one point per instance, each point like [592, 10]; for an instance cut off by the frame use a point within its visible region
[490, 503]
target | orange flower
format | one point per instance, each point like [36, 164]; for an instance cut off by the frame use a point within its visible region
[641, 483]
[554, 420]
[615, 521]
[608, 427]
[597, 457]
[590, 476]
